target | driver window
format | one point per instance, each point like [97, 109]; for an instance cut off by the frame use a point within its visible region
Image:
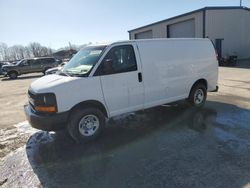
[118, 60]
[25, 63]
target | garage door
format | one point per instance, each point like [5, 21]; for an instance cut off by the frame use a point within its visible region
[185, 29]
[144, 35]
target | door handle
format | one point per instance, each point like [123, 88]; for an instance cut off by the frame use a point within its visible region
[139, 77]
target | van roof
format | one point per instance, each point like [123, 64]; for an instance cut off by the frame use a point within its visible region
[155, 39]
[162, 39]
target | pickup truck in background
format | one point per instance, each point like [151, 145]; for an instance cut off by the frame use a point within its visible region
[33, 65]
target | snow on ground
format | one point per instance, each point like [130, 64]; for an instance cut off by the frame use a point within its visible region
[15, 137]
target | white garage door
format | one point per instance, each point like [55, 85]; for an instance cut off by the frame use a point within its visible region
[144, 35]
[185, 29]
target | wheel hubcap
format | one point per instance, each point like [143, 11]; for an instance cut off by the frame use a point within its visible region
[88, 125]
[198, 96]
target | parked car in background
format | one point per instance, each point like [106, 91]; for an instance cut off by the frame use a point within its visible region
[102, 81]
[30, 66]
[55, 69]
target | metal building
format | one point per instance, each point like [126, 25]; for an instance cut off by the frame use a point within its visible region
[227, 27]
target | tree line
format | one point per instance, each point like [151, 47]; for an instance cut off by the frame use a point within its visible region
[17, 52]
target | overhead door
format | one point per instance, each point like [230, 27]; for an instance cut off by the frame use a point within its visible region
[185, 29]
[144, 35]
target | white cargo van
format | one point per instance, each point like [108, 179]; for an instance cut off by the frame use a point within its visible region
[102, 81]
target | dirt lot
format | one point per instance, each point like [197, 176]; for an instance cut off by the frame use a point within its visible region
[168, 146]
[13, 96]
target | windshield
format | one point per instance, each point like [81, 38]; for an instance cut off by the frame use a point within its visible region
[19, 62]
[83, 61]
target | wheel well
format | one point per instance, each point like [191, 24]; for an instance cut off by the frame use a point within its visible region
[91, 103]
[13, 71]
[200, 81]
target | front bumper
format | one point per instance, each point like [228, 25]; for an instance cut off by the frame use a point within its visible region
[46, 122]
[4, 73]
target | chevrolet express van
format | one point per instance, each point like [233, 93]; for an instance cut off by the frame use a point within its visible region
[105, 80]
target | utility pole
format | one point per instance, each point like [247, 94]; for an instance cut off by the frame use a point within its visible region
[241, 3]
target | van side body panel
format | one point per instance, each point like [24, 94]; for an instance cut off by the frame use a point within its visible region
[171, 67]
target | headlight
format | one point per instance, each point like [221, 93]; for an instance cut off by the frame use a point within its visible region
[4, 69]
[43, 102]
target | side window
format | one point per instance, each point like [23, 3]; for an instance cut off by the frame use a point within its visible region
[49, 61]
[118, 60]
[32, 62]
[25, 63]
[42, 61]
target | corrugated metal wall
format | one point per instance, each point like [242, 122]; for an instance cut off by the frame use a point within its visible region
[144, 35]
[234, 27]
[160, 30]
[185, 29]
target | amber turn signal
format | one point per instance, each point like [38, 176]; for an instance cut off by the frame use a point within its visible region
[49, 109]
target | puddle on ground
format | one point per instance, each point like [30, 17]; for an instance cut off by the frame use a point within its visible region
[41, 152]
[237, 118]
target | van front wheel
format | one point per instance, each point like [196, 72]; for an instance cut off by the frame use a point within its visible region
[198, 95]
[85, 124]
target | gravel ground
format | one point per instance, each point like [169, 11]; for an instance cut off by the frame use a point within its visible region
[160, 147]
[13, 96]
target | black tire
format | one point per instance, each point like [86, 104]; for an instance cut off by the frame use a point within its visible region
[201, 90]
[12, 74]
[74, 125]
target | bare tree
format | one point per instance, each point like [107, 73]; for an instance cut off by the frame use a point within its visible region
[17, 52]
[3, 51]
[35, 49]
[21, 53]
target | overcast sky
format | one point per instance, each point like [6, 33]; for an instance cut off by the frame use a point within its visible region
[54, 23]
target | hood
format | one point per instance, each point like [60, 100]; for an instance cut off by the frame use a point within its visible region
[8, 66]
[47, 83]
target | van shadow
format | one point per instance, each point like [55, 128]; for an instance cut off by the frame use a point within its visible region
[57, 154]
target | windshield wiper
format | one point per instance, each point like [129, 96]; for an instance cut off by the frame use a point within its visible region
[63, 73]
[78, 75]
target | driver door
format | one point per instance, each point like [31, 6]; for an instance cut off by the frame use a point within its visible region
[25, 67]
[120, 75]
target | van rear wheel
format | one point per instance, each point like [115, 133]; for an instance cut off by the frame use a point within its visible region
[86, 124]
[198, 95]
